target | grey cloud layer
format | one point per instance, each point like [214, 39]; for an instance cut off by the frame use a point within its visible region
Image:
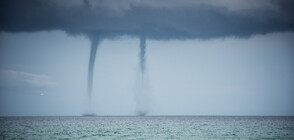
[152, 19]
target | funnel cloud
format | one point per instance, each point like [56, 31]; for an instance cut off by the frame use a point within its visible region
[142, 54]
[142, 99]
[94, 46]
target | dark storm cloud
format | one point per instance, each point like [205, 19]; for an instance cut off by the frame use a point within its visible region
[153, 19]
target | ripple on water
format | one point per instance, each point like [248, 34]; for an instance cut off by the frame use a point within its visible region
[169, 127]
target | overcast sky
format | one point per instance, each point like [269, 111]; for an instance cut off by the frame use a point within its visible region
[202, 58]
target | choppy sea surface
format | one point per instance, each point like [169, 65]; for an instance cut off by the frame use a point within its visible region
[149, 127]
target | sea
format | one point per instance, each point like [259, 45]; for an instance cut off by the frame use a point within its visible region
[147, 127]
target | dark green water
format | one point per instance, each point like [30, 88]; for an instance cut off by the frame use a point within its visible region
[153, 127]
